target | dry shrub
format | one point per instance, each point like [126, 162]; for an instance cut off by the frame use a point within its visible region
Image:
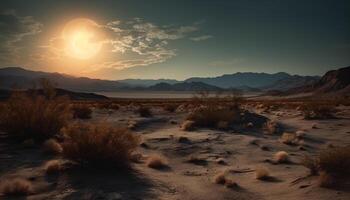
[211, 112]
[156, 162]
[335, 161]
[289, 138]
[187, 125]
[314, 110]
[261, 173]
[99, 144]
[53, 167]
[52, 146]
[281, 157]
[326, 180]
[81, 111]
[16, 187]
[220, 178]
[312, 163]
[34, 117]
[212, 115]
[333, 165]
[144, 111]
[272, 127]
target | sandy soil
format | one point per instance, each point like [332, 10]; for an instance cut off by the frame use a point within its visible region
[240, 152]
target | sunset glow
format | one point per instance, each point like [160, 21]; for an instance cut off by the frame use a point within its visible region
[81, 41]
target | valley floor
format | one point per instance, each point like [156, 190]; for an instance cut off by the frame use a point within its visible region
[236, 153]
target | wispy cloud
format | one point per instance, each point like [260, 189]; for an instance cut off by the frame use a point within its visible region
[201, 38]
[147, 42]
[14, 29]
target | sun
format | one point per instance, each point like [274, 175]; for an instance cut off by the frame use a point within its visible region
[81, 38]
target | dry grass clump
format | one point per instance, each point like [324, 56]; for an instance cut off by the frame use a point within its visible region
[81, 111]
[261, 173]
[34, 117]
[289, 138]
[144, 111]
[272, 127]
[221, 178]
[99, 144]
[52, 146]
[211, 112]
[281, 157]
[314, 110]
[156, 162]
[16, 187]
[214, 116]
[187, 125]
[335, 161]
[312, 163]
[332, 164]
[53, 167]
[326, 180]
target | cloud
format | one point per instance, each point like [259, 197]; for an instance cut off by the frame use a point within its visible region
[201, 38]
[147, 42]
[14, 29]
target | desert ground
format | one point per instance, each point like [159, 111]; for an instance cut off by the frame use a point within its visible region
[193, 160]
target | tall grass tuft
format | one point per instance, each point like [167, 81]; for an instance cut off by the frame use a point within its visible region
[99, 145]
[34, 116]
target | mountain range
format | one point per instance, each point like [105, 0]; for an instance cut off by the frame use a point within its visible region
[333, 82]
[247, 81]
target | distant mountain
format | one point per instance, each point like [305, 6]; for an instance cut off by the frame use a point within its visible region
[25, 79]
[291, 82]
[248, 79]
[147, 82]
[333, 82]
[185, 86]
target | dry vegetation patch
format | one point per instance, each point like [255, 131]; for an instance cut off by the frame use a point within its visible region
[157, 162]
[81, 111]
[262, 173]
[52, 146]
[53, 167]
[315, 110]
[281, 157]
[16, 187]
[332, 164]
[99, 145]
[36, 116]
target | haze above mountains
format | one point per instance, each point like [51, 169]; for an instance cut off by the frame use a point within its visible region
[248, 81]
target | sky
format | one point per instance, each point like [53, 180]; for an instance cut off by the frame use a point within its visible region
[175, 39]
